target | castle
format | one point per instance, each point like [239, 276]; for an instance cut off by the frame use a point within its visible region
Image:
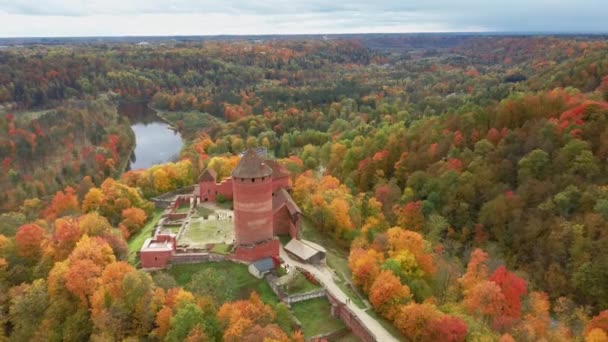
[263, 209]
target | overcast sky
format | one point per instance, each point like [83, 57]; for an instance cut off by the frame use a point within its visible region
[21, 18]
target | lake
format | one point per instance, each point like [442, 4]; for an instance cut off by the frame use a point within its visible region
[156, 142]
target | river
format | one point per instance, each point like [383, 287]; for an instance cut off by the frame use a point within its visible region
[156, 142]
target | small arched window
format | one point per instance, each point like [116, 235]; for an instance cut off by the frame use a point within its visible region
[252, 180]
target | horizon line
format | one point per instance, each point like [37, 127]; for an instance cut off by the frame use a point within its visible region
[516, 33]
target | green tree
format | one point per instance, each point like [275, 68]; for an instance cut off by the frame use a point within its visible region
[212, 283]
[27, 308]
[188, 317]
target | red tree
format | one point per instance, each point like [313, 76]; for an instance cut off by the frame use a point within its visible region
[513, 288]
[29, 239]
[447, 329]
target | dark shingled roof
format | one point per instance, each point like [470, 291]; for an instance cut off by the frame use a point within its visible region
[278, 170]
[208, 175]
[283, 198]
[251, 166]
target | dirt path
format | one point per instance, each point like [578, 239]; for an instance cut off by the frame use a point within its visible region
[326, 277]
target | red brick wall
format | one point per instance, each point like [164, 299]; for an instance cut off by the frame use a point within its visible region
[155, 259]
[177, 216]
[294, 231]
[278, 183]
[342, 311]
[257, 252]
[282, 224]
[207, 191]
[181, 200]
[225, 188]
[252, 210]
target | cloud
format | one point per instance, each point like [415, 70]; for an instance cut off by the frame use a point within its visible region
[192, 17]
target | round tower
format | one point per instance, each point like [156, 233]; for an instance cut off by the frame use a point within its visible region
[252, 200]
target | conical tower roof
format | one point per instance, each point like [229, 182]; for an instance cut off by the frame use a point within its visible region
[251, 166]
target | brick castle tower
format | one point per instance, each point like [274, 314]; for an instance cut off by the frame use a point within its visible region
[253, 214]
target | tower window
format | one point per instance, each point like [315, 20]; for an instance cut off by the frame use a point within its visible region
[252, 180]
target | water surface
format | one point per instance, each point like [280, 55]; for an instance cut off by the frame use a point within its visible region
[156, 142]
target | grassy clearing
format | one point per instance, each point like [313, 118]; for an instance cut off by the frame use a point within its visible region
[299, 284]
[202, 212]
[174, 230]
[137, 240]
[202, 232]
[224, 205]
[221, 248]
[315, 316]
[337, 260]
[245, 283]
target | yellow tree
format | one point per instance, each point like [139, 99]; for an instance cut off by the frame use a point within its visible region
[93, 224]
[93, 200]
[162, 183]
[365, 266]
[340, 209]
[405, 240]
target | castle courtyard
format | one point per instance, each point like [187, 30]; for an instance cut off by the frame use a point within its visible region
[210, 225]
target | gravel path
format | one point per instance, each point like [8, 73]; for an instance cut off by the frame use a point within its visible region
[326, 277]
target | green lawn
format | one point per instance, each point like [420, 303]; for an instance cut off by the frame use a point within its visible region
[224, 205]
[238, 273]
[137, 240]
[173, 230]
[315, 316]
[221, 248]
[202, 232]
[202, 212]
[299, 284]
[337, 259]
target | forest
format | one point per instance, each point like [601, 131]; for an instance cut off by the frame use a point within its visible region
[464, 176]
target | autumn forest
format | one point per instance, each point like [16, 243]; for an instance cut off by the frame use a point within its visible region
[460, 179]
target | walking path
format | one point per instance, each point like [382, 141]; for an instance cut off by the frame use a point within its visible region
[325, 276]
